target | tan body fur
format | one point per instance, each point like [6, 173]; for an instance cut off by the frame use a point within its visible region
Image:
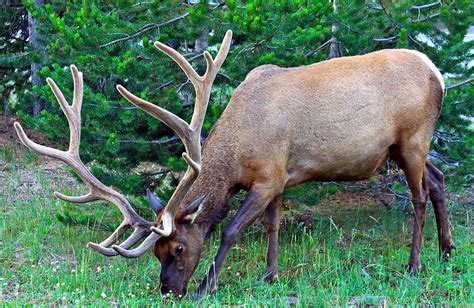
[334, 120]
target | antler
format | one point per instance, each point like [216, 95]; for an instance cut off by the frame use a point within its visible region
[97, 190]
[190, 134]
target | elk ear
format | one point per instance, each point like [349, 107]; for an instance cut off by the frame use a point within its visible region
[154, 202]
[194, 209]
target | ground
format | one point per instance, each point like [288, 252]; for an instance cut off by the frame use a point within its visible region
[338, 246]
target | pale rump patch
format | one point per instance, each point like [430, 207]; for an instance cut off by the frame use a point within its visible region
[430, 64]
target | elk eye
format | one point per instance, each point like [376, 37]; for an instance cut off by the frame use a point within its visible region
[179, 250]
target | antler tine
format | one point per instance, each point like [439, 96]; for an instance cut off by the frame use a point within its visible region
[141, 249]
[202, 98]
[76, 109]
[97, 190]
[77, 199]
[78, 90]
[103, 246]
[182, 62]
[222, 54]
[35, 146]
[72, 114]
[178, 125]
[190, 134]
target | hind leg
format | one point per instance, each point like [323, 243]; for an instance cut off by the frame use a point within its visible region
[271, 221]
[435, 181]
[412, 163]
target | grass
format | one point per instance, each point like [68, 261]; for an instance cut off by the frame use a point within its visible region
[355, 256]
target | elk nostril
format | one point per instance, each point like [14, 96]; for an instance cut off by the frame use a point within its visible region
[165, 290]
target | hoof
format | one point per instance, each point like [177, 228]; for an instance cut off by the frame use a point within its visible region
[270, 278]
[447, 252]
[447, 257]
[414, 269]
[205, 289]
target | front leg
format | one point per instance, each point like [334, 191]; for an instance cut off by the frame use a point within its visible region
[271, 221]
[251, 208]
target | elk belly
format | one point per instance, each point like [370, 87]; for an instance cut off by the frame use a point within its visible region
[351, 164]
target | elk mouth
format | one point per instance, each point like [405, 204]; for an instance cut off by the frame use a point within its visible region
[167, 291]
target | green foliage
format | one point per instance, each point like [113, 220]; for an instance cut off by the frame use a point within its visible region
[112, 43]
[117, 137]
[14, 59]
[311, 193]
[438, 32]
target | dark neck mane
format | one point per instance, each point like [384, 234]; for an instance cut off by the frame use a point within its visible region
[218, 178]
[219, 190]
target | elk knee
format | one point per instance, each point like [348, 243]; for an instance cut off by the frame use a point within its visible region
[271, 228]
[437, 195]
[419, 203]
[228, 237]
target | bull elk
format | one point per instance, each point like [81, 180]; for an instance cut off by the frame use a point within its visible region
[337, 120]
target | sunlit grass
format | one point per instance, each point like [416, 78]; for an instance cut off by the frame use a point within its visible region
[345, 259]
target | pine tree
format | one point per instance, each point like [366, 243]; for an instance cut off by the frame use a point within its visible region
[13, 41]
[437, 29]
[111, 42]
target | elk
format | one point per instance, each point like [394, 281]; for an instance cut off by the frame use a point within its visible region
[337, 120]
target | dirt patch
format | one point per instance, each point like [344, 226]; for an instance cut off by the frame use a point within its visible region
[8, 136]
[19, 167]
[337, 208]
[28, 184]
[352, 199]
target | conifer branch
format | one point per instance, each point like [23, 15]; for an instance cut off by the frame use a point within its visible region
[144, 29]
[387, 39]
[174, 139]
[459, 84]
[425, 6]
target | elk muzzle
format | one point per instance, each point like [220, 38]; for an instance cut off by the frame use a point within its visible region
[178, 292]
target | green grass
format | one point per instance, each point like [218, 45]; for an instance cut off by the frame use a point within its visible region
[355, 257]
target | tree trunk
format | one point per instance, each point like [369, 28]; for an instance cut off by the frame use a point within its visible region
[334, 48]
[201, 42]
[5, 114]
[36, 43]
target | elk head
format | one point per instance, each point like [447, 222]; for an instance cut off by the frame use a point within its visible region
[180, 252]
[178, 242]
